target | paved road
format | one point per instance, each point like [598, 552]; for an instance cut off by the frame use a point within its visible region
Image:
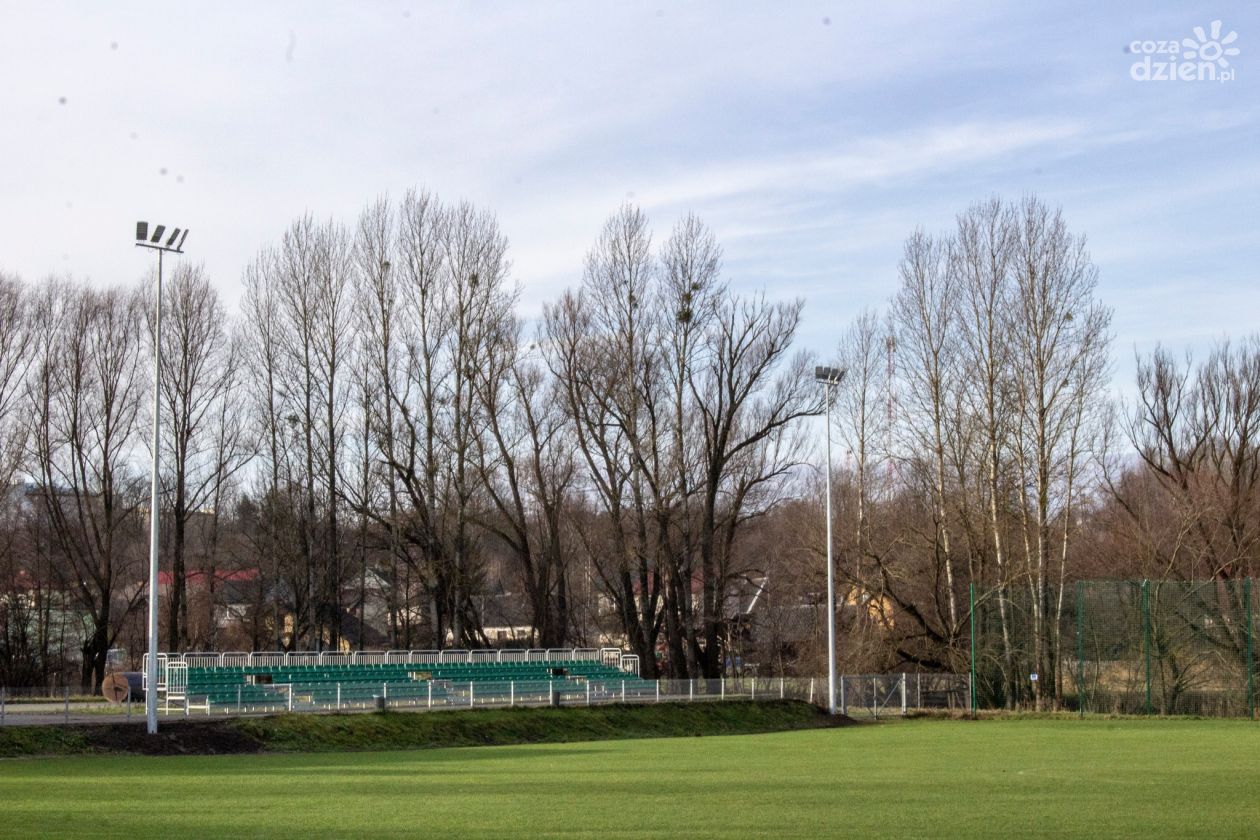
[39, 714]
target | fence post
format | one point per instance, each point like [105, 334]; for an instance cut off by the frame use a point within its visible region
[658, 689]
[238, 699]
[723, 694]
[811, 689]
[781, 694]
[903, 693]
[68, 702]
[1146, 637]
[290, 697]
[875, 697]
[430, 694]
[1080, 646]
[623, 691]
[512, 693]
[470, 695]
[691, 689]
[588, 692]
[1251, 664]
[754, 688]
[844, 701]
[971, 594]
[339, 697]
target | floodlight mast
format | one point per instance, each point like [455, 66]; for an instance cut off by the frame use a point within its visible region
[830, 377]
[174, 244]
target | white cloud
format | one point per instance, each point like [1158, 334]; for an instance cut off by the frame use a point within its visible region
[810, 147]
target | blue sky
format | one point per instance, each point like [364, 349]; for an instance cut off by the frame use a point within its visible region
[813, 138]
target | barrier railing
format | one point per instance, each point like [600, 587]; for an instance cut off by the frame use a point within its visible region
[858, 695]
[206, 659]
[864, 695]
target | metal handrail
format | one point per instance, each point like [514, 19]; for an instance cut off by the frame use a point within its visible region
[608, 656]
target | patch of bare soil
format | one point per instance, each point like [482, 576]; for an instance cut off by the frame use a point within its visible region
[181, 737]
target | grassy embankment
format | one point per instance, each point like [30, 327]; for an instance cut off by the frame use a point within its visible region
[410, 730]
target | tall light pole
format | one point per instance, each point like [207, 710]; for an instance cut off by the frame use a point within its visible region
[830, 377]
[173, 244]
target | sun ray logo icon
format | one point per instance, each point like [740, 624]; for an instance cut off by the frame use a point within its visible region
[1210, 49]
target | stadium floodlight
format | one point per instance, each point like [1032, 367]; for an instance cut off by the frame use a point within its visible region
[830, 377]
[174, 244]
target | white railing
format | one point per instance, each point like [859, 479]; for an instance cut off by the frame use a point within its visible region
[860, 695]
[206, 659]
[162, 660]
[176, 680]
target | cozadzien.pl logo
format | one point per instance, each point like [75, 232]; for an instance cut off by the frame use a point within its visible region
[1203, 58]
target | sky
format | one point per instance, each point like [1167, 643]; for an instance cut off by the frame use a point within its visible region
[813, 138]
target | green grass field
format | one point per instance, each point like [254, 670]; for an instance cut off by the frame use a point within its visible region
[924, 778]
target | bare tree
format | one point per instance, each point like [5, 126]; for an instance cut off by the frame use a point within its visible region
[751, 393]
[598, 349]
[84, 398]
[863, 408]
[1002, 351]
[926, 322]
[478, 303]
[527, 468]
[334, 319]
[230, 447]
[982, 261]
[1060, 339]
[864, 417]
[197, 378]
[16, 322]
[689, 295]
[684, 400]
[382, 359]
[416, 405]
[23, 653]
[310, 276]
[263, 346]
[1196, 429]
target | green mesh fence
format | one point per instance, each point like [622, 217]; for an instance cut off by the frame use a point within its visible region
[1126, 647]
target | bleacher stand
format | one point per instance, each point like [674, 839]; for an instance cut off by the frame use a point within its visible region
[466, 678]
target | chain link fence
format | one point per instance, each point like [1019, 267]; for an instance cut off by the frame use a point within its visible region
[1117, 647]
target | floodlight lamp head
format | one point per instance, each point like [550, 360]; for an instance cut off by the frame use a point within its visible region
[829, 375]
[153, 238]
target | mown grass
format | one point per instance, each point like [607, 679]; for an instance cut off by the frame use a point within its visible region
[919, 778]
